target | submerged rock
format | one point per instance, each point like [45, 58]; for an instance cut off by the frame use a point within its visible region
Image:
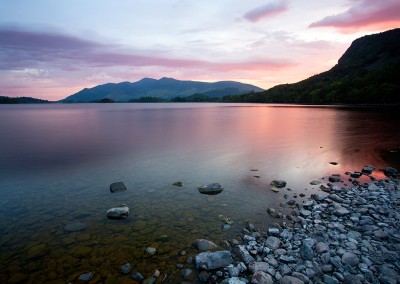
[117, 187]
[86, 276]
[75, 227]
[334, 178]
[119, 212]
[178, 183]
[202, 244]
[211, 189]
[126, 268]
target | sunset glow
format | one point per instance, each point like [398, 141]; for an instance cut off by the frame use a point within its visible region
[50, 49]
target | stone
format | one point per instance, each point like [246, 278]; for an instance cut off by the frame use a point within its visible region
[306, 252]
[336, 198]
[211, 189]
[261, 277]
[178, 183]
[273, 232]
[213, 260]
[272, 242]
[388, 275]
[334, 178]
[75, 227]
[118, 187]
[305, 213]
[349, 258]
[273, 212]
[126, 268]
[356, 175]
[390, 172]
[260, 266]
[202, 244]
[86, 276]
[150, 250]
[233, 280]
[119, 212]
[341, 211]
[334, 163]
[368, 170]
[203, 276]
[290, 280]
[278, 183]
[243, 254]
[329, 279]
[315, 182]
[321, 247]
[301, 276]
[188, 274]
[137, 276]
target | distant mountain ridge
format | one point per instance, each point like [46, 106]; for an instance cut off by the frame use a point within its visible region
[164, 88]
[367, 73]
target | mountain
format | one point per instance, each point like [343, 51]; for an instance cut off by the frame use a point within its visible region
[367, 73]
[22, 100]
[164, 88]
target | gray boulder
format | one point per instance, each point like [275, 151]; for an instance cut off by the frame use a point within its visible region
[213, 260]
[117, 187]
[211, 189]
[368, 170]
[390, 172]
[119, 212]
[349, 258]
[272, 242]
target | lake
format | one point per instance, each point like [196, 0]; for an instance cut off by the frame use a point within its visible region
[57, 162]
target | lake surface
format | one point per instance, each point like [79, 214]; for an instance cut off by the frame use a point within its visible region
[58, 161]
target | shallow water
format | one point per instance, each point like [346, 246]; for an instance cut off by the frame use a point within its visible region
[57, 162]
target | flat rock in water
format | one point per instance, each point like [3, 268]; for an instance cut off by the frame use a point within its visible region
[334, 178]
[368, 169]
[211, 189]
[178, 183]
[202, 244]
[278, 183]
[119, 212]
[117, 187]
[75, 227]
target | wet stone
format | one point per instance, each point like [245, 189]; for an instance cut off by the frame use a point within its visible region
[349, 258]
[202, 244]
[290, 280]
[306, 252]
[211, 189]
[137, 276]
[272, 242]
[126, 268]
[278, 183]
[86, 276]
[117, 187]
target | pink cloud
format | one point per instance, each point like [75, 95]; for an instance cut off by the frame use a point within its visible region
[266, 11]
[365, 14]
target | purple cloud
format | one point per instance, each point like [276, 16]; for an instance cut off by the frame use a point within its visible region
[365, 13]
[266, 11]
[24, 49]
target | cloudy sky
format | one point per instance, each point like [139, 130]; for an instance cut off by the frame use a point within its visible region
[51, 49]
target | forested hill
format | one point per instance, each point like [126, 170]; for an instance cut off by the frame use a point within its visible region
[21, 100]
[367, 73]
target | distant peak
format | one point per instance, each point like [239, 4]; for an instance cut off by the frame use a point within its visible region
[167, 79]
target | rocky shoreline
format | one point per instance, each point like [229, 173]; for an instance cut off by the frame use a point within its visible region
[350, 234]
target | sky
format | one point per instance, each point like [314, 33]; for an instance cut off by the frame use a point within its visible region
[51, 49]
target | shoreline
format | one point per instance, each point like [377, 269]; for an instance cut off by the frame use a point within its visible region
[349, 234]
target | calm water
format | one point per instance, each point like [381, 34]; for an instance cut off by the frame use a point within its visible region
[57, 162]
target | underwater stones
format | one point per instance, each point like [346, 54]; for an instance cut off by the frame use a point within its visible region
[117, 187]
[81, 251]
[150, 250]
[202, 244]
[37, 251]
[213, 260]
[315, 182]
[119, 212]
[273, 213]
[211, 189]
[75, 227]
[137, 276]
[86, 276]
[278, 183]
[126, 268]
[178, 183]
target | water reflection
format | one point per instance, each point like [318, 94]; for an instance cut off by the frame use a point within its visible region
[58, 161]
